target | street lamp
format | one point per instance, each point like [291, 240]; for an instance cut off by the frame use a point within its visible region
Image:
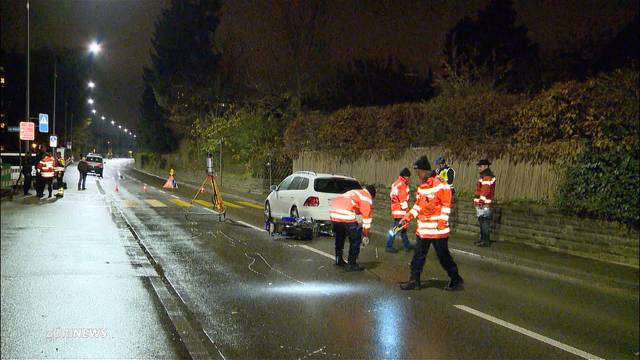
[90, 101]
[102, 117]
[91, 84]
[113, 122]
[94, 47]
[120, 126]
[93, 111]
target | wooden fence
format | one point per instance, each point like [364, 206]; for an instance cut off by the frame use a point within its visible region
[515, 181]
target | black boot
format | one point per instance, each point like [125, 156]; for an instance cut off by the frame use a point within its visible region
[353, 265]
[412, 284]
[340, 261]
[455, 283]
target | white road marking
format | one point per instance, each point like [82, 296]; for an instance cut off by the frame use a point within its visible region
[516, 328]
[249, 225]
[317, 251]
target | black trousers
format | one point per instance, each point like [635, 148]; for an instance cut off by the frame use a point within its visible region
[27, 183]
[444, 257]
[354, 232]
[45, 182]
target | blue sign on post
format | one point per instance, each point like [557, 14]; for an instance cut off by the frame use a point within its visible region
[43, 123]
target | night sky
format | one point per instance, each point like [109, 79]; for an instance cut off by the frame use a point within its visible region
[412, 31]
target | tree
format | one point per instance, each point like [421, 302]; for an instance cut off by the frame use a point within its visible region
[153, 133]
[491, 49]
[186, 81]
[374, 82]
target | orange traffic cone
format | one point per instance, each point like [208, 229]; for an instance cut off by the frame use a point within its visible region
[144, 188]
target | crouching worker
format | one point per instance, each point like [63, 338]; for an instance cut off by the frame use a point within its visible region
[432, 208]
[343, 216]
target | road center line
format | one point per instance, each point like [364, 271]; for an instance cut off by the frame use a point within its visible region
[516, 328]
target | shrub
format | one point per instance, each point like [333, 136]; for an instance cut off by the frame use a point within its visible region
[603, 184]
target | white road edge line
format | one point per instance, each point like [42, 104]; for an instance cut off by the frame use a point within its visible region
[516, 328]
[249, 225]
[317, 251]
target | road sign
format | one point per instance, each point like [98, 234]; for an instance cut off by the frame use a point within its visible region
[53, 141]
[43, 121]
[13, 129]
[27, 130]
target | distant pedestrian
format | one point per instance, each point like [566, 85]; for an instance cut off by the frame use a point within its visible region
[445, 172]
[26, 171]
[432, 209]
[47, 171]
[399, 207]
[484, 201]
[343, 213]
[83, 169]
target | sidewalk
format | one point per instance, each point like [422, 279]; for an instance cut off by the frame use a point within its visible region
[75, 284]
[539, 260]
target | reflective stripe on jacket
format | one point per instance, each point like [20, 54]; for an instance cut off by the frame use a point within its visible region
[399, 198]
[345, 207]
[432, 208]
[485, 189]
[47, 167]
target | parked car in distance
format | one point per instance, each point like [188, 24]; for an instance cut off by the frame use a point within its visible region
[96, 164]
[308, 195]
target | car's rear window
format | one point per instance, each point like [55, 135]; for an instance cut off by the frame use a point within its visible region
[335, 185]
[94, 159]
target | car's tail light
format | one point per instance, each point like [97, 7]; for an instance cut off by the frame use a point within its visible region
[312, 201]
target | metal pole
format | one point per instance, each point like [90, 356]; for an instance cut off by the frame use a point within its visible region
[27, 110]
[55, 77]
[65, 117]
[220, 176]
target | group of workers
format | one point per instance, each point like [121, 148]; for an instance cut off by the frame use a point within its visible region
[432, 209]
[47, 169]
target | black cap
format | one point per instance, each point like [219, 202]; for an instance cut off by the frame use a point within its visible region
[405, 173]
[484, 162]
[372, 190]
[422, 164]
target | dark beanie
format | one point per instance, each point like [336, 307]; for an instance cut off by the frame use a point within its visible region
[405, 173]
[372, 190]
[422, 164]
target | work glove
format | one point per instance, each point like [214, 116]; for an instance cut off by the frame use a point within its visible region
[442, 224]
[403, 224]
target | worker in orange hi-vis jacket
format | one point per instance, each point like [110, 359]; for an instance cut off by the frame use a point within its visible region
[483, 201]
[343, 213]
[432, 209]
[399, 206]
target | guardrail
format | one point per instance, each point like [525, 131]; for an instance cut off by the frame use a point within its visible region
[6, 182]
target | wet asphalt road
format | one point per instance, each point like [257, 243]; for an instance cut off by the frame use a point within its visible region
[253, 296]
[75, 284]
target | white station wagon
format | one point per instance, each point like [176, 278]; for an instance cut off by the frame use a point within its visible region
[308, 195]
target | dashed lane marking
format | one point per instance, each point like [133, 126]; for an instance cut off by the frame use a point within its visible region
[250, 204]
[130, 204]
[204, 203]
[529, 333]
[180, 202]
[155, 203]
[232, 205]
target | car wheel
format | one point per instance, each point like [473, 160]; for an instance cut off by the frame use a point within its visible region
[294, 212]
[267, 211]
